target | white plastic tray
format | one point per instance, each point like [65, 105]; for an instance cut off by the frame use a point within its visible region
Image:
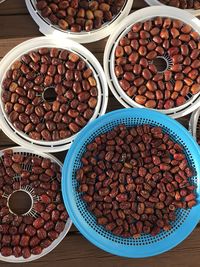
[33, 44]
[47, 28]
[68, 223]
[158, 3]
[194, 123]
[125, 26]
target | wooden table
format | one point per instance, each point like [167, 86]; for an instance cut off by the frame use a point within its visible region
[16, 26]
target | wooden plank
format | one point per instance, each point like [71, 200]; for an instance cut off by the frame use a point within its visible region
[26, 27]
[6, 46]
[19, 7]
[13, 7]
[76, 251]
[17, 14]
[17, 26]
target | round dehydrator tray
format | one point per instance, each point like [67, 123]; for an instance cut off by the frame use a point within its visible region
[109, 55]
[36, 43]
[30, 191]
[146, 245]
[47, 28]
[158, 3]
[194, 124]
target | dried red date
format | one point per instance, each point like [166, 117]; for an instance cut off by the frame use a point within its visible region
[24, 234]
[78, 16]
[146, 186]
[31, 107]
[153, 86]
[182, 4]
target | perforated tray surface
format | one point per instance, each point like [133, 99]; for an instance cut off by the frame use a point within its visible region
[194, 125]
[144, 14]
[35, 198]
[146, 245]
[47, 28]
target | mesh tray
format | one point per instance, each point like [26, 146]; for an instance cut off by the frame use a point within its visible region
[47, 28]
[192, 101]
[34, 44]
[158, 3]
[32, 212]
[146, 245]
[194, 124]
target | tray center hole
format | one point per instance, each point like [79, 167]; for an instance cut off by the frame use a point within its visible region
[161, 64]
[20, 202]
[49, 94]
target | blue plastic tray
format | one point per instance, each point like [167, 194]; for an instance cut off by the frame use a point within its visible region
[146, 245]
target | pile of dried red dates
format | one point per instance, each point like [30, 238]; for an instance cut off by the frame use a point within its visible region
[49, 94]
[77, 15]
[184, 4]
[134, 179]
[165, 41]
[28, 234]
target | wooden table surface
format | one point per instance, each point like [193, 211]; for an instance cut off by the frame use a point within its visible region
[16, 26]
